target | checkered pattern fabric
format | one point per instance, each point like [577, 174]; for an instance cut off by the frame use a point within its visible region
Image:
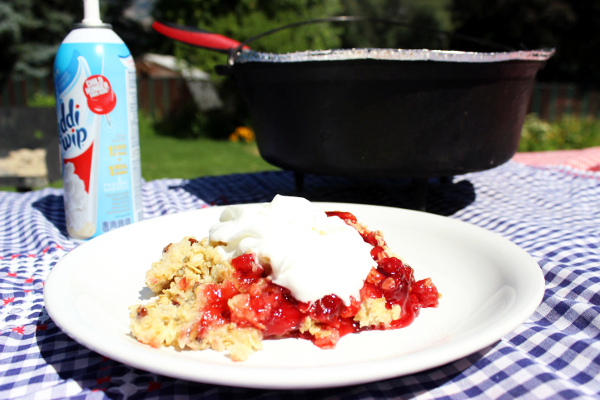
[584, 159]
[551, 212]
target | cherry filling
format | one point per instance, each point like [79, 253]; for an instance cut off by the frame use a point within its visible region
[247, 270]
[327, 310]
[216, 311]
[347, 217]
[251, 299]
[378, 253]
[268, 307]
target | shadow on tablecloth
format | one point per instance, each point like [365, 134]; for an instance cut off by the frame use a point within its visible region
[443, 198]
[95, 373]
[52, 208]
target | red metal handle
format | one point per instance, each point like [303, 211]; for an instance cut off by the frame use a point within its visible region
[196, 37]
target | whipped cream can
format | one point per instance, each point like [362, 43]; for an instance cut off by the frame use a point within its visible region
[96, 104]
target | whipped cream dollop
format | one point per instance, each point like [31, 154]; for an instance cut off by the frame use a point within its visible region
[310, 254]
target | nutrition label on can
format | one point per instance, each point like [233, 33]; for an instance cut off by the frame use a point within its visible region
[134, 140]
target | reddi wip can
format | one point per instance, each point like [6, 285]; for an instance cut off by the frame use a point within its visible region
[96, 104]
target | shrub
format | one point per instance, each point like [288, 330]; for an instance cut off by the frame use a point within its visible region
[569, 132]
[40, 99]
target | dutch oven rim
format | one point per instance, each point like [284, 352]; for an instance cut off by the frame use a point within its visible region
[390, 54]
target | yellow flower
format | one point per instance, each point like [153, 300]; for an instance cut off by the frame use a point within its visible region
[242, 132]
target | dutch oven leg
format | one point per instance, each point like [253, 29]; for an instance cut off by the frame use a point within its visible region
[299, 181]
[419, 189]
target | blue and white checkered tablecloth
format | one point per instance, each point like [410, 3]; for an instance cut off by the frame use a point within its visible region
[553, 213]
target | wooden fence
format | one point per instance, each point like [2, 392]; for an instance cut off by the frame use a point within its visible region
[550, 101]
[162, 96]
[157, 96]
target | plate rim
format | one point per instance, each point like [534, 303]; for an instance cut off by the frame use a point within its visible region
[218, 374]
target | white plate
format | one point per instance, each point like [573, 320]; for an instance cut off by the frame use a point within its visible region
[489, 286]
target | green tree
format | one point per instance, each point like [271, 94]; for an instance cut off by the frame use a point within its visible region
[431, 14]
[31, 32]
[239, 20]
[136, 36]
[568, 26]
[242, 19]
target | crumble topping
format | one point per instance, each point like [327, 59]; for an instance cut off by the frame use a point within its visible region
[205, 262]
[373, 312]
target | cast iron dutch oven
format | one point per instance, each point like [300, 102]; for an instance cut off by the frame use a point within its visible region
[379, 112]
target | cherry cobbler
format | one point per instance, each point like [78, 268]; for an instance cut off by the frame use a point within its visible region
[247, 282]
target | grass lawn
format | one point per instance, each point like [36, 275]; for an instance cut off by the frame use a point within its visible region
[167, 157]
